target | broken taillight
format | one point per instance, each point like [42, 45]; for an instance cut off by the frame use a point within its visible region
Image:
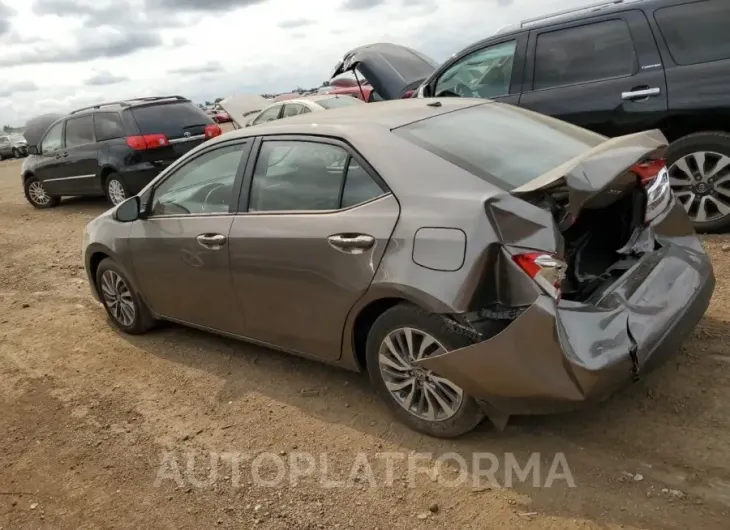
[655, 178]
[546, 269]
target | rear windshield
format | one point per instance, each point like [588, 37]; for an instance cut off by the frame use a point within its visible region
[501, 144]
[171, 119]
[341, 101]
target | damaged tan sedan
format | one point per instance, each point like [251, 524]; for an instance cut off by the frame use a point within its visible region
[476, 259]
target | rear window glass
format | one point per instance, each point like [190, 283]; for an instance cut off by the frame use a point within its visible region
[697, 32]
[171, 119]
[501, 144]
[342, 101]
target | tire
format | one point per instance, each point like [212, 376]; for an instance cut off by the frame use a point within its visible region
[113, 188]
[34, 193]
[467, 415]
[112, 282]
[717, 144]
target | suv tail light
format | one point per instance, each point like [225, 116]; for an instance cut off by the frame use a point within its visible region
[148, 141]
[547, 270]
[655, 178]
[212, 130]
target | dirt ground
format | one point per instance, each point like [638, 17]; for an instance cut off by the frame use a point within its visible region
[88, 418]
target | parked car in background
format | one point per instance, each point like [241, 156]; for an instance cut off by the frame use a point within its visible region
[221, 116]
[112, 149]
[296, 106]
[13, 145]
[243, 108]
[473, 257]
[618, 67]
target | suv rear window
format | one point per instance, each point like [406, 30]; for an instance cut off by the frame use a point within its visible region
[697, 32]
[170, 119]
[501, 144]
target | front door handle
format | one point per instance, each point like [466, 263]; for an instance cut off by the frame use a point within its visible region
[351, 243]
[212, 241]
[640, 93]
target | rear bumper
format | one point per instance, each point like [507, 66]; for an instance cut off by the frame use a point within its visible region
[556, 357]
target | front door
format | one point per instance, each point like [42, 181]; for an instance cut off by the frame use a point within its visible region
[604, 74]
[50, 159]
[180, 251]
[317, 225]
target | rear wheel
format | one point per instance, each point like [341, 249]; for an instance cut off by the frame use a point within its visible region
[36, 194]
[424, 401]
[125, 308]
[699, 173]
[116, 191]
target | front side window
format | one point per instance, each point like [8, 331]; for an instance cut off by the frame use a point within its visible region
[107, 126]
[79, 131]
[502, 144]
[53, 140]
[697, 32]
[269, 114]
[292, 109]
[485, 73]
[602, 50]
[201, 186]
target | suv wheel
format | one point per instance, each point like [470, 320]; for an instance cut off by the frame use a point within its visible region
[36, 194]
[116, 192]
[699, 173]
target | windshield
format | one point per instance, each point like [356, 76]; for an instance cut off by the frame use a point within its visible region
[337, 102]
[502, 144]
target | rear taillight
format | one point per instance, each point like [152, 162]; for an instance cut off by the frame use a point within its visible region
[547, 270]
[148, 141]
[212, 130]
[408, 94]
[655, 178]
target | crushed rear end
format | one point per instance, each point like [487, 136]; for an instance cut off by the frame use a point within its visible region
[597, 275]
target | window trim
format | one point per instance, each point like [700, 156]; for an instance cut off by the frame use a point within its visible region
[536, 33]
[121, 123]
[93, 132]
[62, 123]
[352, 153]
[246, 144]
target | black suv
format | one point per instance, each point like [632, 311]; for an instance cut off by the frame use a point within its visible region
[112, 149]
[615, 67]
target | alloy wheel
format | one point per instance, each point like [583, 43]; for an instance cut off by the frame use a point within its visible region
[701, 182]
[419, 391]
[118, 298]
[38, 194]
[116, 192]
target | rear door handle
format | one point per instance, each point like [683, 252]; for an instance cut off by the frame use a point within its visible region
[351, 243]
[212, 241]
[641, 93]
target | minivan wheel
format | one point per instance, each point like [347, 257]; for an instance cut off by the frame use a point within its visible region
[125, 308]
[36, 194]
[116, 191]
[699, 173]
[424, 401]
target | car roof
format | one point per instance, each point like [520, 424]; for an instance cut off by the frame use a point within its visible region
[115, 106]
[346, 121]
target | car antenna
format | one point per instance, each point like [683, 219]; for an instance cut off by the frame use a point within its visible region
[359, 85]
[435, 104]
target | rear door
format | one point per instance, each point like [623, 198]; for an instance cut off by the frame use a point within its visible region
[308, 240]
[78, 173]
[604, 74]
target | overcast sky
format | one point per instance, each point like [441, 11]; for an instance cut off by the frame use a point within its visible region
[60, 54]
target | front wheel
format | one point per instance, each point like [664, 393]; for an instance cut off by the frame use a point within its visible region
[424, 401]
[125, 308]
[36, 194]
[116, 191]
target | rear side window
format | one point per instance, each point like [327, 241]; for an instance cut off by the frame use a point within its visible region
[107, 126]
[501, 144]
[337, 102]
[79, 131]
[593, 52]
[269, 114]
[697, 32]
[170, 119]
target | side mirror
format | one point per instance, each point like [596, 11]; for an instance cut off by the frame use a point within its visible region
[127, 211]
[33, 150]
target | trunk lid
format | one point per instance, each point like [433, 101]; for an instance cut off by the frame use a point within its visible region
[391, 69]
[244, 107]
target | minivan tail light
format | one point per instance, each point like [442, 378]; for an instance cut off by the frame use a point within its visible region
[148, 141]
[655, 178]
[547, 270]
[212, 130]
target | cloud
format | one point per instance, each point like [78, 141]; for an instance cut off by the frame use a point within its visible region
[8, 89]
[295, 23]
[87, 46]
[5, 14]
[105, 79]
[360, 5]
[201, 5]
[200, 69]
